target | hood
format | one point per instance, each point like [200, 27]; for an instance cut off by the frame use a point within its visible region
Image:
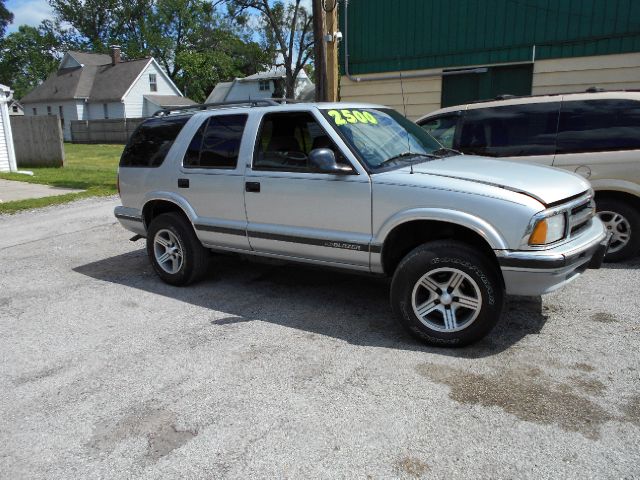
[546, 184]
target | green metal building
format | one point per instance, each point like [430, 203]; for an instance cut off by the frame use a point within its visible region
[493, 47]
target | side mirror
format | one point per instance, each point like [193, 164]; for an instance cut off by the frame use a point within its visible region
[323, 160]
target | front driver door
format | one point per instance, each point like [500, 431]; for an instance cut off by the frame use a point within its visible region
[293, 211]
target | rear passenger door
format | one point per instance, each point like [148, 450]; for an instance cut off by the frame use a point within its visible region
[211, 178]
[512, 132]
[296, 212]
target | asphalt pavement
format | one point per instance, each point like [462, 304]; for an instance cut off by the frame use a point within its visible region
[280, 371]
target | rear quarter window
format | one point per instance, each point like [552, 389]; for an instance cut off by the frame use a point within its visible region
[149, 144]
[599, 125]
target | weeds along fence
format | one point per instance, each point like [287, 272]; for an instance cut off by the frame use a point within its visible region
[116, 130]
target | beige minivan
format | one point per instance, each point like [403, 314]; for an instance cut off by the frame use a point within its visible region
[595, 134]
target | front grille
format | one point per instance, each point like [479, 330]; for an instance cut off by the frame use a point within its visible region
[580, 216]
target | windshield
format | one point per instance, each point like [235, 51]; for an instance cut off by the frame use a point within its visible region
[382, 136]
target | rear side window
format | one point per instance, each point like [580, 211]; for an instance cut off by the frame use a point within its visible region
[216, 144]
[599, 125]
[443, 129]
[151, 141]
[511, 131]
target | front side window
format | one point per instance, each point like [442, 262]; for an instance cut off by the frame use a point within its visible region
[105, 110]
[287, 138]
[382, 137]
[216, 144]
[511, 131]
[153, 84]
[151, 142]
[15, 109]
[599, 125]
[34, 110]
[443, 129]
[48, 110]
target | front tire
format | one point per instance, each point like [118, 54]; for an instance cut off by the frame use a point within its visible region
[447, 293]
[175, 252]
[623, 221]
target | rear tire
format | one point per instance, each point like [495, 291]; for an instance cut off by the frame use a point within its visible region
[623, 220]
[447, 293]
[175, 251]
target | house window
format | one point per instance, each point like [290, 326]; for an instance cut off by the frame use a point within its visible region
[15, 109]
[105, 109]
[61, 115]
[35, 111]
[264, 86]
[153, 83]
[48, 110]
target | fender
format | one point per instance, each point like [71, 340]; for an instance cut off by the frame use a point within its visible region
[174, 198]
[478, 225]
[612, 185]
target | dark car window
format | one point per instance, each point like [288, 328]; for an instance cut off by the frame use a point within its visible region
[151, 141]
[510, 131]
[443, 128]
[599, 125]
[216, 144]
[286, 139]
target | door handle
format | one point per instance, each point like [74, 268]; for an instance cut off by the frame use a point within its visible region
[183, 183]
[252, 187]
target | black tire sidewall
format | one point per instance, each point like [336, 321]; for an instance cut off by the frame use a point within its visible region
[633, 217]
[438, 255]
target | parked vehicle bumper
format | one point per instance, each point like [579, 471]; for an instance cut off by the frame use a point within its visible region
[538, 272]
[131, 219]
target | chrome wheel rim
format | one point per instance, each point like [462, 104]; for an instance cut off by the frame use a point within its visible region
[168, 251]
[446, 300]
[619, 227]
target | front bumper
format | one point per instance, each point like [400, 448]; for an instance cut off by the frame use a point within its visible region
[538, 272]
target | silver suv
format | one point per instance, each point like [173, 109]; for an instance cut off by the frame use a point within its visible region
[359, 187]
[595, 134]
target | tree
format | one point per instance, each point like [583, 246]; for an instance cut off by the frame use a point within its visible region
[28, 56]
[287, 32]
[6, 17]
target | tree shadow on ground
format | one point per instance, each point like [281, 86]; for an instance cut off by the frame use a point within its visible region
[354, 308]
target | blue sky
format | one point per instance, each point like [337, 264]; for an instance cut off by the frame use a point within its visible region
[30, 12]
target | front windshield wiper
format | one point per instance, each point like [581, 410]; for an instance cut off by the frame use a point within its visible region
[446, 152]
[402, 155]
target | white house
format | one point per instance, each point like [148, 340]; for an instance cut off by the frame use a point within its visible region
[7, 153]
[15, 108]
[258, 86]
[89, 86]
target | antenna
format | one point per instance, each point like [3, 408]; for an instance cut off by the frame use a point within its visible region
[404, 108]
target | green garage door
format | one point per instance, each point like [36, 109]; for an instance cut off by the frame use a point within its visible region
[465, 88]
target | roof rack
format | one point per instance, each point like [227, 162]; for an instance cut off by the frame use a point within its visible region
[265, 102]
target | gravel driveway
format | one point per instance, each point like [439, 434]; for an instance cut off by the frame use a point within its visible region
[276, 371]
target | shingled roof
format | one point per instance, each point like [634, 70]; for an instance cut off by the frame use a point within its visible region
[97, 80]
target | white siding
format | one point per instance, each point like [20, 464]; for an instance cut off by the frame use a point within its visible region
[70, 110]
[95, 111]
[4, 152]
[566, 75]
[134, 100]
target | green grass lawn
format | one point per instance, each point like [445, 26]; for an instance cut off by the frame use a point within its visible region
[88, 167]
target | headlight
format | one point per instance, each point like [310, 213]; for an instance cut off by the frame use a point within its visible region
[548, 230]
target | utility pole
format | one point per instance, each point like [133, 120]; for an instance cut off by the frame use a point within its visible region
[331, 28]
[320, 62]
